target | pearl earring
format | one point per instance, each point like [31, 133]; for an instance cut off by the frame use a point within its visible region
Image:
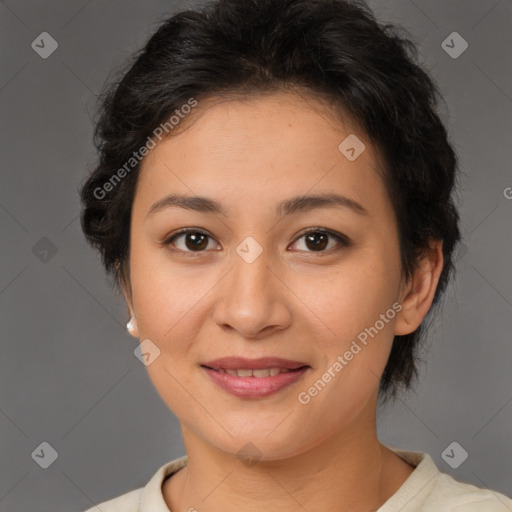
[131, 325]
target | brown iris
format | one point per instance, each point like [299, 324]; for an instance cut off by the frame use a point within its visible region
[196, 241]
[316, 241]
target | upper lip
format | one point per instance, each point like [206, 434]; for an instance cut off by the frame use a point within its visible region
[238, 363]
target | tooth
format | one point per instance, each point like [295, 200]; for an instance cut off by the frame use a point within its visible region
[275, 371]
[231, 372]
[264, 372]
[244, 373]
[284, 370]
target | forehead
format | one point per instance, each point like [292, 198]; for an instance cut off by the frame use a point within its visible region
[260, 148]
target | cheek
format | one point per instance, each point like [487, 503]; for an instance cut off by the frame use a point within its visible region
[355, 306]
[350, 298]
[353, 358]
[168, 302]
[167, 299]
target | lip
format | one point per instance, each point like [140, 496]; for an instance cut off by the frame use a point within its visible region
[254, 387]
[234, 363]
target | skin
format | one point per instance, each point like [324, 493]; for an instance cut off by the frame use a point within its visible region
[291, 302]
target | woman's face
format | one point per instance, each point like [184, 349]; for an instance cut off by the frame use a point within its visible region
[253, 284]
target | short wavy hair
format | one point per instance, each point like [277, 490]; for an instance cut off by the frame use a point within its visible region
[332, 49]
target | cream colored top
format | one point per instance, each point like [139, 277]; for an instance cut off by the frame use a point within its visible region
[426, 490]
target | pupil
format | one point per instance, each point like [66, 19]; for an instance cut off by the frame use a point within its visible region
[195, 238]
[315, 242]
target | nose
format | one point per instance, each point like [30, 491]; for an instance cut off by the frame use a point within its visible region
[252, 300]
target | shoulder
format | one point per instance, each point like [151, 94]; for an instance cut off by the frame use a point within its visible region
[144, 499]
[450, 494]
[128, 502]
[429, 490]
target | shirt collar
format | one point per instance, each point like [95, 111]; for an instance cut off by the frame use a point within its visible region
[419, 482]
[152, 499]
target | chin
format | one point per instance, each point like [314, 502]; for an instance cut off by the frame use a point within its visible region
[252, 445]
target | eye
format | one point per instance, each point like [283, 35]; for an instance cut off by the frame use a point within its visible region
[316, 240]
[194, 240]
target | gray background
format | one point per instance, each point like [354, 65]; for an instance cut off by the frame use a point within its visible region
[68, 374]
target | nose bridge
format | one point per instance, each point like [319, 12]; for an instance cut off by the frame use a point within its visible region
[250, 279]
[250, 301]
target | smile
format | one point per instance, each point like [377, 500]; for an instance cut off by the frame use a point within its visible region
[254, 378]
[263, 372]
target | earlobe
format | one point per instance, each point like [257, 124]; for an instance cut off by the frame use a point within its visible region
[132, 328]
[418, 294]
[131, 325]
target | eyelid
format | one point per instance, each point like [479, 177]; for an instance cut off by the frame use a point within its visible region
[168, 239]
[342, 239]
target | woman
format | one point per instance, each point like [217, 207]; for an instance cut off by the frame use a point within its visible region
[274, 200]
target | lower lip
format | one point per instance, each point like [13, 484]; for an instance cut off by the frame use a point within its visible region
[254, 387]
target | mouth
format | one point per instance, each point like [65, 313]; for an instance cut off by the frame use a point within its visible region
[254, 378]
[258, 373]
[262, 367]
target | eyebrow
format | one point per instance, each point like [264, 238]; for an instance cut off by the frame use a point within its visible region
[287, 207]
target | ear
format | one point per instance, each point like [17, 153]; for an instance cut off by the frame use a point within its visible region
[127, 293]
[417, 295]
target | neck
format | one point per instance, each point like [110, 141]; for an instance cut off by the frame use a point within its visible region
[351, 468]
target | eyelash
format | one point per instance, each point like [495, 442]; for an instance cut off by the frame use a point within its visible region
[343, 240]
